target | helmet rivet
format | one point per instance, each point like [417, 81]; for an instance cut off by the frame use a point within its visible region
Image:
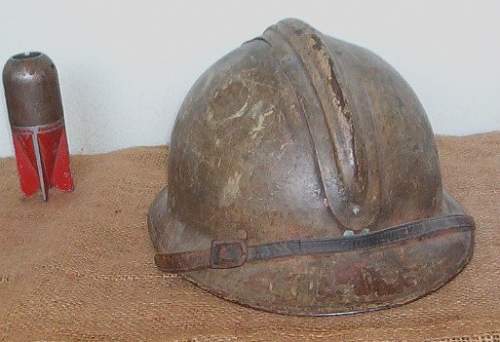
[348, 233]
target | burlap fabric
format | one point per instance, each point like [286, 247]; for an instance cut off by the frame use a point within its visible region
[80, 267]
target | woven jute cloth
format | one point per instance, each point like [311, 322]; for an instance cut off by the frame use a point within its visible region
[80, 266]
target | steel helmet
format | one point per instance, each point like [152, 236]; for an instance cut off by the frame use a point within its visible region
[303, 179]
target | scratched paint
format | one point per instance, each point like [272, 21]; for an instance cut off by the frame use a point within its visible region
[230, 190]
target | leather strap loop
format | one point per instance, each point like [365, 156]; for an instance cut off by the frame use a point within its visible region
[230, 254]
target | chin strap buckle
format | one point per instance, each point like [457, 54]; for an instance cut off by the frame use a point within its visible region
[228, 254]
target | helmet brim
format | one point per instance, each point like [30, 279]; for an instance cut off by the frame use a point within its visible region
[337, 284]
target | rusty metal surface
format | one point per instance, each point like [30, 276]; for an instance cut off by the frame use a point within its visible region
[295, 136]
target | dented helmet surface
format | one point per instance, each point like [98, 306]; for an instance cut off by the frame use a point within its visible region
[303, 178]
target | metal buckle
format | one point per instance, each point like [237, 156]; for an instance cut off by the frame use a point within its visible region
[228, 254]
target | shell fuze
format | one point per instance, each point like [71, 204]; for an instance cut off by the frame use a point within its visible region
[303, 179]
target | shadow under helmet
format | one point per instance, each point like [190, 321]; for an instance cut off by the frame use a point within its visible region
[303, 179]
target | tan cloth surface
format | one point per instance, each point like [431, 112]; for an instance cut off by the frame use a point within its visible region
[80, 267]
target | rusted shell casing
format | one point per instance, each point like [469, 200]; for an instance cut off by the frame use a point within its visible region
[36, 117]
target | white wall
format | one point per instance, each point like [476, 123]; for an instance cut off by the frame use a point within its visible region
[125, 66]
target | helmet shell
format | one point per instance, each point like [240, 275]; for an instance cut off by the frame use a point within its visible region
[298, 135]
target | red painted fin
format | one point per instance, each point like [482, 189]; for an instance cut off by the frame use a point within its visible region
[61, 173]
[26, 163]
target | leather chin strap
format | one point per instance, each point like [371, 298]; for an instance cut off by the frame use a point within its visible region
[229, 254]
